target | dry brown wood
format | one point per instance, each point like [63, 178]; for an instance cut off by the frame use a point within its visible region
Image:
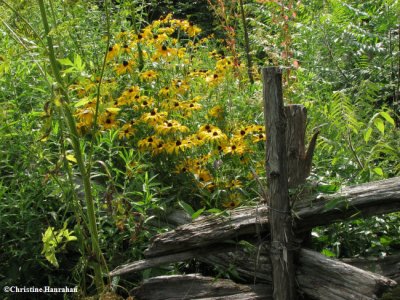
[322, 278]
[172, 258]
[208, 230]
[318, 276]
[360, 201]
[280, 216]
[388, 266]
[195, 286]
[298, 159]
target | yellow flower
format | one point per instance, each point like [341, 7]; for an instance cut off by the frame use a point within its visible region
[191, 105]
[85, 116]
[196, 139]
[214, 78]
[193, 30]
[164, 51]
[126, 131]
[113, 51]
[149, 75]
[145, 101]
[217, 112]
[107, 120]
[214, 135]
[176, 146]
[154, 117]
[165, 91]
[231, 204]
[124, 67]
[150, 142]
[125, 49]
[203, 175]
[235, 146]
[259, 137]
[233, 201]
[170, 126]
[241, 133]
[180, 86]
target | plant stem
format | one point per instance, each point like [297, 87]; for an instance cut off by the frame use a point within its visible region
[246, 43]
[97, 265]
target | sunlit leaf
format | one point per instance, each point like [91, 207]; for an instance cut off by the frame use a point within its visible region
[387, 117]
[380, 125]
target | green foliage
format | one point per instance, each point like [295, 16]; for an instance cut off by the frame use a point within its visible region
[54, 240]
[343, 68]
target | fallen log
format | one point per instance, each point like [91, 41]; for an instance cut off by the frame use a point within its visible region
[209, 230]
[322, 278]
[388, 266]
[318, 276]
[196, 286]
[358, 201]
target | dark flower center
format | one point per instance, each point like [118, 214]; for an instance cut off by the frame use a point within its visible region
[125, 63]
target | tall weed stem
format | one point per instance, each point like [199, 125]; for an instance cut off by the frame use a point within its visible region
[98, 264]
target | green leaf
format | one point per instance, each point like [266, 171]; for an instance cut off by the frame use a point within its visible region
[65, 62]
[378, 171]
[367, 134]
[186, 207]
[214, 210]
[380, 125]
[328, 253]
[328, 188]
[83, 101]
[387, 117]
[198, 213]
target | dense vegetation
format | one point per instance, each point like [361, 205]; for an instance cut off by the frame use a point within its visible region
[150, 106]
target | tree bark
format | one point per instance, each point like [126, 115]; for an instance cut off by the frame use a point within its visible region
[357, 201]
[195, 286]
[298, 159]
[282, 245]
[319, 277]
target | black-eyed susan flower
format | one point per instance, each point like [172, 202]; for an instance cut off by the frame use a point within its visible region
[149, 75]
[203, 175]
[241, 133]
[144, 102]
[126, 131]
[113, 52]
[108, 120]
[175, 146]
[235, 146]
[258, 137]
[126, 49]
[154, 117]
[231, 204]
[180, 86]
[85, 116]
[164, 51]
[217, 112]
[165, 92]
[124, 67]
[196, 139]
[150, 142]
[214, 135]
[193, 30]
[214, 78]
[170, 126]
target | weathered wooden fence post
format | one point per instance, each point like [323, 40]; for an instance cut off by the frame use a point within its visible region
[283, 272]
